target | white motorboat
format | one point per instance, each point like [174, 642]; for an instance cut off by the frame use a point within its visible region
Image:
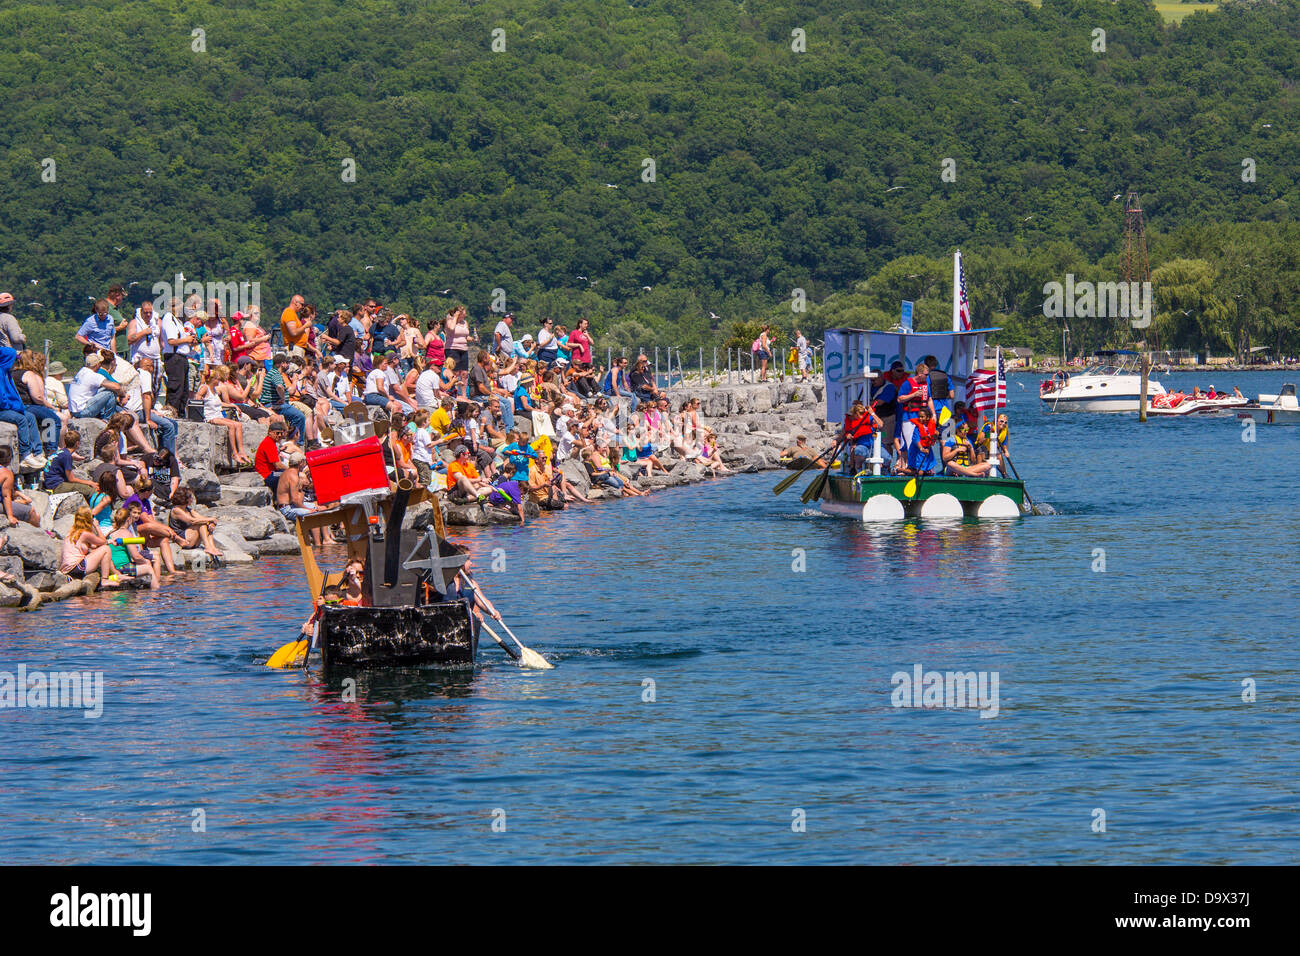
[1280, 409]
[1178, 405]
[1114, 384]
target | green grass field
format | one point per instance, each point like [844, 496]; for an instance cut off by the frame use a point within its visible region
[1172, 12]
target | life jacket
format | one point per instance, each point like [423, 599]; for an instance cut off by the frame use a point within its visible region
[925, 433]
[964, 451]
[856, 429]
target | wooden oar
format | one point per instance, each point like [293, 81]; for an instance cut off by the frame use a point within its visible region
[814, 489]
[1033, 508]
[794, 476]
[526, 657]
[514, 655]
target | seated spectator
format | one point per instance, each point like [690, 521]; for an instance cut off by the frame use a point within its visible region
[29, 380]
[59, 475]
[195, 527]
[14, 412]
[85, 551]
[506, 492]
[17, 506]
[267, 459]
[959, 454]
[157, 535]
[289, 498]
[463, 477]
[129, 558]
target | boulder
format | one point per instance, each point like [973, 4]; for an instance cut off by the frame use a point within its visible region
[468, 515]
[62, 525]
[90, 429]
[254, 524]
[38, 550]
[202, 446]
[686, 472]
[12, 564]
[9, 439]
[204, 483]
[576, 473]
[234, 548]
[48, 580]
[278, 544]
[243, 479]
[259, 496]
[66, 504]
[419, 516]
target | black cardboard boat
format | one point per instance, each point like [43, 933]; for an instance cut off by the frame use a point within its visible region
[407, 616]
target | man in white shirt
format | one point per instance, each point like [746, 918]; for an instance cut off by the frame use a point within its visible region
[88, 394]
[427, 387]
[144, 334]
[178, 339]
[136, 382]
[502, 338]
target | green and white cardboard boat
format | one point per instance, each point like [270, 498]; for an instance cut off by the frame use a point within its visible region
[873, 496]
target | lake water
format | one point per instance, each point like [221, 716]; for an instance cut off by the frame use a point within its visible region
[1119, 690]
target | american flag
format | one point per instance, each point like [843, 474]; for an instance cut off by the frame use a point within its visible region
[981, 392]
[962, 301]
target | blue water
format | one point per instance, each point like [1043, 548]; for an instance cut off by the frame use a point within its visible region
[1119, 690]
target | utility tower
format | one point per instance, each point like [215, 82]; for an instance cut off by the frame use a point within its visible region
[1133, 264]
[1135, 269]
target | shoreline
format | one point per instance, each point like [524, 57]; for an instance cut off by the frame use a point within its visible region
[754, 423]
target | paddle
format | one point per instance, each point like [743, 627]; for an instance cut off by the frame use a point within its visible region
[1033, 508]
[794, 476]
[814, 489]
[288, 655]
[526, 657]
[514, 655]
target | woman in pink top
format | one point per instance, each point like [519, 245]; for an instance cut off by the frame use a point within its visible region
[456, 330]
[580, 343]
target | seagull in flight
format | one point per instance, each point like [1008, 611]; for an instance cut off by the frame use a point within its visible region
[33, 281]
[610, 186]
[583, 278]
[892, 188]
[444, 292]
[118, 248]
[645, 288]
[714, 315]
[1027, 218]
[1115, 198]
[148, 172]
[368, 268]
[36, 303]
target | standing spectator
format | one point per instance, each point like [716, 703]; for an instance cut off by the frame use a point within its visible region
[144, 334]
[116, 295]
[11, 334]
[178, 340]
[258, 341]
[579, 344]
[502, 339]
[293, 328]
[457, 333]
[805, 355]
[99, 329]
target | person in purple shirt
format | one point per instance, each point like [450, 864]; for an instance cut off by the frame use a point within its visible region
[98, 329]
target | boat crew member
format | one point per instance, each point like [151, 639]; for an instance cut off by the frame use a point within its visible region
[982, 439]
[921, 452]
[884, 402]
[913, 395]
[859, 432]
[959, 454]
[467, 588]
[940, 387]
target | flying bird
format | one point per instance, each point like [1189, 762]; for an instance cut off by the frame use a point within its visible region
[714, 315]
[1022, 385]
[444, 292]
[1027, 218]
[369, 267]
[32, 281]
[131, 284]
[36, 303]
[892, 188]
[148, 172]
[583, 278]
[1017, 102]
[611, 185]
[645, 288]
[118, 248]
[1115, 197]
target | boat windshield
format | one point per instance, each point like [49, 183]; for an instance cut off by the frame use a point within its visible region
[1108, 368]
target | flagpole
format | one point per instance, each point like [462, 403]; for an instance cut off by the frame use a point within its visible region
[993, 431]
[956, 291]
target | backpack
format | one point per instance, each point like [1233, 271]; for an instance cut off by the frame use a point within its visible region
[754, 347]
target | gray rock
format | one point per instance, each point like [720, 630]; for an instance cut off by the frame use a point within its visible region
[47, 580]
[576, 472]
[38, 550]
[204, 483]
[67, 504]
[9, 439]
[234, 548]
[90, 429]
[243, 479]
[202, 446]
[278, 544]
[259, 496]
[61, 526]
[253, 523]
[11, 564]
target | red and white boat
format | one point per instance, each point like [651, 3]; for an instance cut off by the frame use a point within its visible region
[1177, 404]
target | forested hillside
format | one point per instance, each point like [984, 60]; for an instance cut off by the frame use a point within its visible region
[228, 154]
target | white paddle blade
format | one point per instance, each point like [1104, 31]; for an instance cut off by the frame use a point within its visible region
[530, 658]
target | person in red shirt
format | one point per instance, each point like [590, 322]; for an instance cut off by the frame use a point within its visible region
[580, 344]
[267, 458]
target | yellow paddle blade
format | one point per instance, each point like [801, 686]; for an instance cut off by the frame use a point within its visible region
[909, 489]
[288, 654]
[945, 415]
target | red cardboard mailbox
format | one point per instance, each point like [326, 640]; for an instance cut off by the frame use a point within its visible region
[347, 469]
